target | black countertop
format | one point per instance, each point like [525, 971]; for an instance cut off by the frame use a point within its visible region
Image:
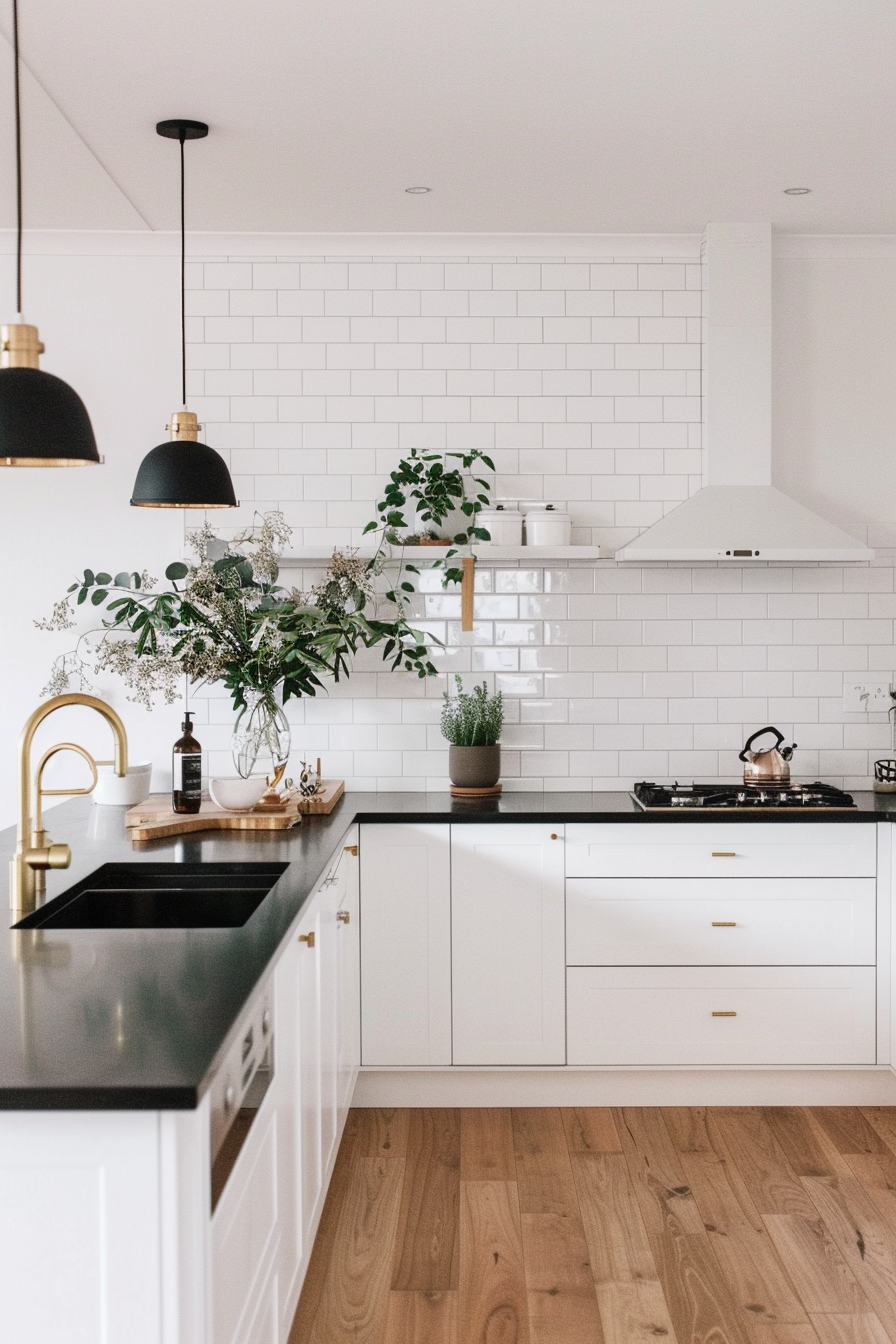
[113, 1019]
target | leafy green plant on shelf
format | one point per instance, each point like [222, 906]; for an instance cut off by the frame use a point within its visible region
[431, 488]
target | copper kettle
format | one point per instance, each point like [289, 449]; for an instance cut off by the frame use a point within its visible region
[771, 766]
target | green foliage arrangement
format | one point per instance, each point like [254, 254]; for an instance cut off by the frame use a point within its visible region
[433, 486]
[228, 620]
[472, 719]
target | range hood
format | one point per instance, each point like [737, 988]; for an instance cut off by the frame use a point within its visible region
[739, 516]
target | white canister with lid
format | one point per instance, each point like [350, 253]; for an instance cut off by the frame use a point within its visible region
[505, 526]
[548, 527]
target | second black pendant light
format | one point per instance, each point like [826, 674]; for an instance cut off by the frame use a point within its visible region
[183, 473]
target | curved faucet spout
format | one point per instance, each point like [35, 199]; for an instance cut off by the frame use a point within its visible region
[35, 853]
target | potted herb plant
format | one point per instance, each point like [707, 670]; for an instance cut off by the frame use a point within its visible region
[471, 724]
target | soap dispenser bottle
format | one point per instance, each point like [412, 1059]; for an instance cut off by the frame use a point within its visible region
[186, 770]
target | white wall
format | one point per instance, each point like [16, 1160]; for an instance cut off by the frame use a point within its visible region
[578, 367]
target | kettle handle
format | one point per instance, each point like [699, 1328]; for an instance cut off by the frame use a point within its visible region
[761, 733]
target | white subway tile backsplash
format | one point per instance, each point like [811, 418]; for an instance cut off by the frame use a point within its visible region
[583, 380]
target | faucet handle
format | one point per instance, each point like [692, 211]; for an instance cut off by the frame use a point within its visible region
[48, 856]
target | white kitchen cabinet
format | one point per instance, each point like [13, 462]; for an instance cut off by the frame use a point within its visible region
[713, 922]
[732, 1015]
[507, 940]
[720, 849]
[405, 945]
[246, 1234]
[316, 1055]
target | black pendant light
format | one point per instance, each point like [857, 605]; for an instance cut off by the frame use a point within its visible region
[43, 422]
[183, 473]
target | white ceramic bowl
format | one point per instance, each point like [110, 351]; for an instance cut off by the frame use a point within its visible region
[123, 790]
[237, 795]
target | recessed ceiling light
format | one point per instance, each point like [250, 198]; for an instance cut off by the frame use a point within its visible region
[797, 191]
[417, 191]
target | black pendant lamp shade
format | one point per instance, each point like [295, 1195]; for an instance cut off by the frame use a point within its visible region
[183, 473]
[43, 422]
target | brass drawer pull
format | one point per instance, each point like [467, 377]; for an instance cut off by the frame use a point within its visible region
[554, 835]
[724, 854]
[724, 924]
[343, 916]
[724, 1014]
[307, 938]
[351, 849]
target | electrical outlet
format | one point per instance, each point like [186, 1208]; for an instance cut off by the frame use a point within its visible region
[866, 697]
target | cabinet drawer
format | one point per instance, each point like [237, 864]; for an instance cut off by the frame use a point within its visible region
[650, 921]
[701, 849]
[646, 1015]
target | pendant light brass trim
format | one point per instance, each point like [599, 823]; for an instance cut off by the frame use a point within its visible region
[183, 473]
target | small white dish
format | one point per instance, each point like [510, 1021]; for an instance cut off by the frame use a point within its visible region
[237, 795]
[123, 790]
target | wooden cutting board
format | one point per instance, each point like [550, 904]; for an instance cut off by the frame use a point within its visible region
[153, 819]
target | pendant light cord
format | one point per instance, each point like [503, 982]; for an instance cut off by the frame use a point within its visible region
[18, 118]
[183, 278]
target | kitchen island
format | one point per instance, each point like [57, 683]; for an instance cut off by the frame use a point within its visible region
[478, 925]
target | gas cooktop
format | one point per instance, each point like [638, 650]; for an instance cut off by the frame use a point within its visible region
[794, 797]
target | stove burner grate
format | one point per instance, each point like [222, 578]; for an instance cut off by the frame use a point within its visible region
[792, 797]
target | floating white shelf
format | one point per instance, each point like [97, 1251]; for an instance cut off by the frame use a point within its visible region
[485, 555]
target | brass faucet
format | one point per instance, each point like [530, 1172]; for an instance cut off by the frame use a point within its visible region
[35, 851]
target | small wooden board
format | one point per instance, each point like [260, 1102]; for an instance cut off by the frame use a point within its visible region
[153, 819]
[492, 792]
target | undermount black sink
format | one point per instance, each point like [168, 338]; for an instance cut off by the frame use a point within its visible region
[160, 896]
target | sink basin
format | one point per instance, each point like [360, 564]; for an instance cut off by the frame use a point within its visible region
[160, 896]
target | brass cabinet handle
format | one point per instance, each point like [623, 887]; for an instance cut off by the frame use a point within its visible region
[724, 1014]
[343, 916]
[351, 849]
[724, 924]
[724, 854]
[554, 835]
[307, 938]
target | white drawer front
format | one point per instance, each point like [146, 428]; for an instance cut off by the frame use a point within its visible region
[646, 1015]
[701, 849]
[651, 921]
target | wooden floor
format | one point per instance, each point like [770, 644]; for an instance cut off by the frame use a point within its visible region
[631, 1226]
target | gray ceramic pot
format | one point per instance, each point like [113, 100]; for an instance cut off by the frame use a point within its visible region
[474, 767]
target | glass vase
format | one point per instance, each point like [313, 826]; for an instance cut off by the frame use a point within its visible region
[261, 739]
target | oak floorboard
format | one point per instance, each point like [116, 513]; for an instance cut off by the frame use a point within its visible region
[877, 1175]
[865, 1329]
[751, 1145]
[864, 1238]
[848, 1129]
[426, 1240]
[562, 1301]
[807, 1149]
[688, 1128]
[422, 1318]
[883, 1120]
[775, 1332]
[590, 1129]
[614, 1230]
[750, 1266]
[322, 1251]
[819, 1273]
[493, 1306]
[635, 1313]
[486, 1144]
[660, 1184]
[700, 1306]
[355, 1298]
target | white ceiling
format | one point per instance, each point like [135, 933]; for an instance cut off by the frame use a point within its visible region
[522, 115]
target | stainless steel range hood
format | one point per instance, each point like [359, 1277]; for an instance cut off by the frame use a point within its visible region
[739, 516]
